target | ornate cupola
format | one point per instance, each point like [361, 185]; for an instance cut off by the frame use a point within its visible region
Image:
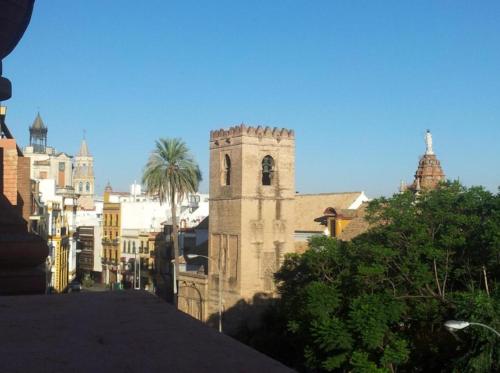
[38, 135]
[429, 172]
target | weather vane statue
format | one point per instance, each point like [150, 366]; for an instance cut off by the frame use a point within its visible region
[428, 143]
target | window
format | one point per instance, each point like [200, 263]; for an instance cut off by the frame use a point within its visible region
[116, 220]
[124, 246]
[267, 170]
[87, 187]
[128, 247]
[133, 247]
[227, 170]
[80, 186]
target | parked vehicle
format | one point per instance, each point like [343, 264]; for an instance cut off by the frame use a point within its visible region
[75, 285]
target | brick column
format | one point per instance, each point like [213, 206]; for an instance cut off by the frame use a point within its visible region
[9, 173]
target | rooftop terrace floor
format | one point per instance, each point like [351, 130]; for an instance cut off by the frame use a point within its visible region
[129, 331]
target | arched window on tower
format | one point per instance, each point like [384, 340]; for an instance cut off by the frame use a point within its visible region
[80, 186]
[87, 187]
[227, 170]
[267, 170]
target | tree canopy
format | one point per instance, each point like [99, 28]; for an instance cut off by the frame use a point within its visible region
[379, 302]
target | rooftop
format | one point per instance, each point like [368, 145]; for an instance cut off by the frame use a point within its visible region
[128, 331]
[84, 150]
[309, 207]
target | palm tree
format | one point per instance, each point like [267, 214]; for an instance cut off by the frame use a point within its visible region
[171, 173]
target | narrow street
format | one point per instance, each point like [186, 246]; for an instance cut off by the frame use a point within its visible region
[95, 288]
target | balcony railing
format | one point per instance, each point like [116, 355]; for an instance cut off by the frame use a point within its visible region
[107, 241]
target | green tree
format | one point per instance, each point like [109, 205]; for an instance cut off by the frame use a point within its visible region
[379, 302]
[171, 173]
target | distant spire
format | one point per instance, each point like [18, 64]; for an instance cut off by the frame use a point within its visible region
[38, 122]
[402, 186]
[84, 149]
[417, 185]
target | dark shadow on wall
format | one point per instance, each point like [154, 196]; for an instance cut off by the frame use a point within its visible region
[259, 324]
[161, 278]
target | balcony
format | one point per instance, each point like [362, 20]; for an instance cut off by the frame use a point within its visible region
[66, 191]
[107, 241]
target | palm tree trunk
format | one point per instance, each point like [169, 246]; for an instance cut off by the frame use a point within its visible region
[175, 237]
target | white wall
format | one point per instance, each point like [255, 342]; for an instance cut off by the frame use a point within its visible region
[47, 188]
[360, 200]
[144, 216]
[97, 249]
[194, 216]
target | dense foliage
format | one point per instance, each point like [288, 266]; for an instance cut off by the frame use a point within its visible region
[378, 303]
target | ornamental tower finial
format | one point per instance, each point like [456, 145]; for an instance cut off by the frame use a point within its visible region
[428, 143]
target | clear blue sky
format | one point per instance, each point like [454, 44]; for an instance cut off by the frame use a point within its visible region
[359, 82]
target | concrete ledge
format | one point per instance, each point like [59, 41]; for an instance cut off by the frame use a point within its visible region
[130, 331]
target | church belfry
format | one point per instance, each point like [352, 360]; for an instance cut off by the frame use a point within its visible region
[83, 177]
[38, 135]
[252, 192]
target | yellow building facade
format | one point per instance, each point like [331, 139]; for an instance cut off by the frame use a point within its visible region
[111, 216]
[59, 244]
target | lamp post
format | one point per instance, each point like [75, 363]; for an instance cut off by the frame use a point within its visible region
[458, 325]
[137, 271]
[174, 277]
[192, 256]
[48, 269]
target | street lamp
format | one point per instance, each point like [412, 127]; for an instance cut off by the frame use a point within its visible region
[458, 325]
[174, 277]
[192, 256]
[48, 269]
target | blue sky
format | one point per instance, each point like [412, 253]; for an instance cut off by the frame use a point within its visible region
[358, 81]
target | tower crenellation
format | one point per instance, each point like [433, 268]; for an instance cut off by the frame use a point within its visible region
[256, 131]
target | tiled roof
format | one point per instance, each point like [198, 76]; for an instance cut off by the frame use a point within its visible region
[357, 226]
[84, 150]
[203, 224]
[309, 207]
[38, 123]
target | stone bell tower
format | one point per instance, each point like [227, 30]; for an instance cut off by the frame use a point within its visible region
[83, 177]
[252, 191]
